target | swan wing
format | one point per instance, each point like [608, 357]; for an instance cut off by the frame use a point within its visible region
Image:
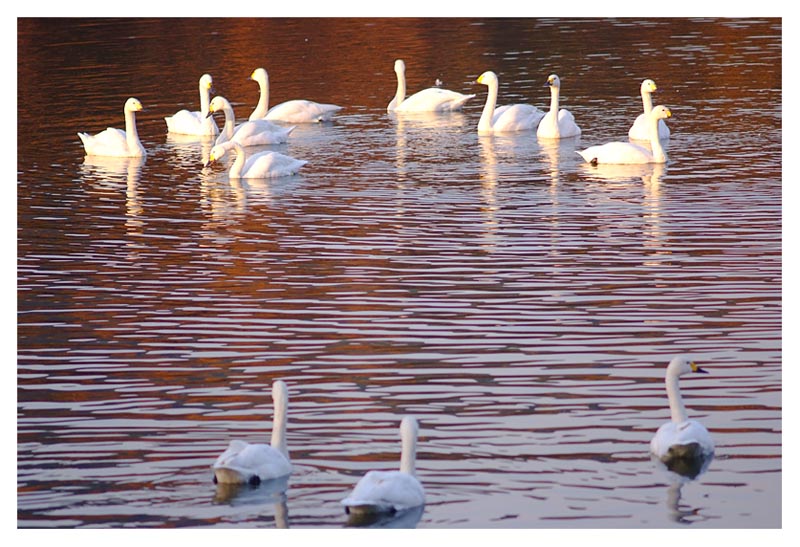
[618, 153]
[257, 132]
[386, 491]
[433, 99]
[186, 122]
[241, 461]
[516, 117]
[110, 142]
[640, 131]
[271, 165]
[679, 434]
[302, 111]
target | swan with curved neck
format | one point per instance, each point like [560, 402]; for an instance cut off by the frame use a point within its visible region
[116, 142]
[640, 130]
[264, 165]
[680, 437]
[249, 133]
[557, 124]
[249, 463]
[185, 122]
[432, 99]
[294, 111]
[508, 118]
[630, 153]
[391, 491]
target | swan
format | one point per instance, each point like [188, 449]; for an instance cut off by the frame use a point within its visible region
[681, 438]
[295, 111]
[185, 122]
[116, 142]
[627, 152]
[264, 165]
[249, 133]
[640, 131]
[432, 99]
[557, 124]
[243, 462]
[513, 117]
[390, 491]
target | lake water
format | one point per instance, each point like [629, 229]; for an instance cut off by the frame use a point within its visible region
[522, 304]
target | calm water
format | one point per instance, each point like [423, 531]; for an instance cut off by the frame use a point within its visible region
[521, 304]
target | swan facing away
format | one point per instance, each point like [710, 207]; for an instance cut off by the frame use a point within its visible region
[249, 133]
[681, 439]
[628, 152]
[557, 124]
[263, 165]
[185, 122]
[432, 99]
[640, 130]
[116, 142]
[249, 463]
[508, 118]
[294, 111]
[390, 491]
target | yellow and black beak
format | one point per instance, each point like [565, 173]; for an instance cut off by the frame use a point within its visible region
[696, 368]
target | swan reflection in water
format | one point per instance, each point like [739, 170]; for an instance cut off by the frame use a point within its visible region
[401, 519]
[110, 172]
[679, 472]
[268, 492]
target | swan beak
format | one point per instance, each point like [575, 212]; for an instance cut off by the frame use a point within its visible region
[669, 113]
[695, 368]
[210, 112]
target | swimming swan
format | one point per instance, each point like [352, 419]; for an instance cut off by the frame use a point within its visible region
[295, 111]
[249, 463]
[263, 165]
[512, 117]
[116, 142]
[185, 122]
[557, 124]
[249, 133]
[627, 152]
[680, 438]
[640, 131]
[390, 491]
[432, 99]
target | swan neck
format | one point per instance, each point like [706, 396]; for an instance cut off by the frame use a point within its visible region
[659, 155]
[234, 173]
[485, 123]
[278, 441]
[408, 455]
[131, 133]
[647, 101]
[263, 99]
[230, 120]
[676, 408]
[554, 99]
[205, 100]
[400, 95]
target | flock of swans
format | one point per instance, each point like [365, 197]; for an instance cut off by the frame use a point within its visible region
[267, 126]
[679, 442]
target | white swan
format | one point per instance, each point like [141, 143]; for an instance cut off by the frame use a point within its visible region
[294, 111]
[627, 152]
[264, 165]
[640, 130]
[511, 117]
[243, 462]
[432, 99]
[557, 124]
[116, 142]
[681, 437]
[249, 133]
[185, 122]
[390, 491]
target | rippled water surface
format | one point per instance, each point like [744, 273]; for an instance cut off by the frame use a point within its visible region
[521, 304]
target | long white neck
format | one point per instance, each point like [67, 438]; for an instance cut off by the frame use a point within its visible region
[659, 155]
[400, 94]
[235, 173]
[263, 99]
[647, 101]
[278, 441]
[485, 123]
[132, 135]
[408, 456]
[676, 408]
[554, 100]
[205, 99]
[230, 121]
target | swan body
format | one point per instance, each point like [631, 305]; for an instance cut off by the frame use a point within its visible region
[557, 124]
[294, 111]
[630, 153]
[249, 133]
[681, 438]
[185, 122]
[116, 142]
[432, 99]
[264, 165]
[390, 491]
[508, 118]
[640, 130]
[243, 462]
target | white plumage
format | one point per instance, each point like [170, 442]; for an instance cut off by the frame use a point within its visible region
[243, 462]
[628, 152]
[116, 142]
[186, 122]
[263, 165]
[432, 99]
[640, 130]
[557, 124]
[294, 111]
[508, 118]
[391, 491]
[249, 133]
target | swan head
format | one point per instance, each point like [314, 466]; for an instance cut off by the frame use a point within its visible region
[553, 81]
[133, 105]
[259, 75]
[661, 112]
[399, 66]
[205, 81]
[217, 103]
[487, 78]
[681, 365]
[217, 153]
[648, 86]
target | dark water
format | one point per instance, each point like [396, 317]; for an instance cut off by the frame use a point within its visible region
[521, 304]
